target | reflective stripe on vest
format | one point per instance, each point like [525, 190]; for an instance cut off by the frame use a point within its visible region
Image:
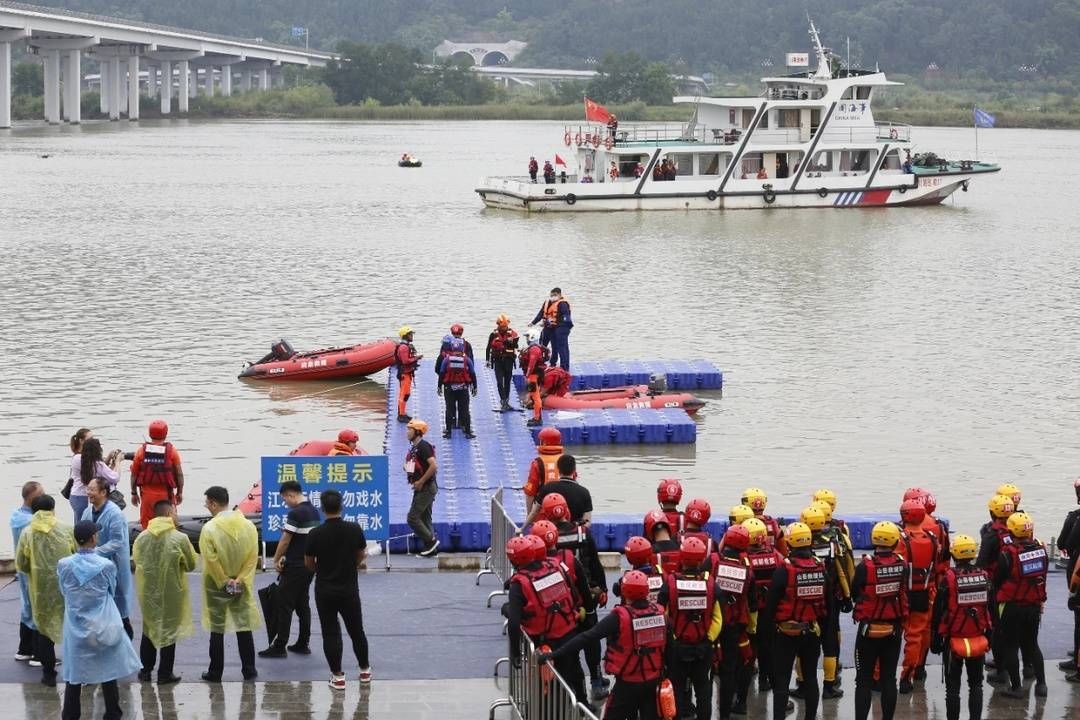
[155, 470]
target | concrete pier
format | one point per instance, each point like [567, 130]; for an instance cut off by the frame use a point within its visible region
[52, 87]
[73, 87]
[166, 87]
[133, 87]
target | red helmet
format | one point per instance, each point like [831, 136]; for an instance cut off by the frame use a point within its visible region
[914, 492]
[537, 548]
[652, 519]
[550, 436]
[692, 552]
[348, 436]
[913, 511]
[738, 537]
[546, 531]
[669, 491]
[456, 330]
[638, 551]
[555, 508]
[698, 511]
[635, 585]
[519, 550]
[930, 503]
[158, 430]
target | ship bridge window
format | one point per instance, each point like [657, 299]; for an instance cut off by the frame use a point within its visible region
[684, 163]
[892, 161]
[751, 163]
[848, 94]
[856, 161]
[822, 162]
[788, 118]
[709, 164]
[862, 92]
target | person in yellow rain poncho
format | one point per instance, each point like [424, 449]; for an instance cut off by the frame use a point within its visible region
[229, 545]
[43, 544]
[163, 556]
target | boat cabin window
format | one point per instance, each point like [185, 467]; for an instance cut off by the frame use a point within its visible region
[892, 161]
[787, 164]
[787, 118]
[751, 164]
[590, 161]
[855, 161]
[862, 92]
[848, 94]
[747, 117]
[765, 120]
[709, 164]
[684, 163]
[628, 164]
[822, 162]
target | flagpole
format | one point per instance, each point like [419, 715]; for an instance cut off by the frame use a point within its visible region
[975, 119]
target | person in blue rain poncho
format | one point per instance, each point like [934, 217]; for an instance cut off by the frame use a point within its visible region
[96, 649]
[112, 544]
[20, 518]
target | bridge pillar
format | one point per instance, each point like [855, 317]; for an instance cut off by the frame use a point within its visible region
[115, 93]
[133, 87]
[52, 87]
[182, 90]
[103, 85]
[73, 87]
[245, 80]
[208, 86]
[264, 79]
[151, 81]
[166, 87]
[5, 84]
[226, 80]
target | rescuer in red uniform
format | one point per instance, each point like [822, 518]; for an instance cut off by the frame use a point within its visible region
[156, 473]
[406, 360]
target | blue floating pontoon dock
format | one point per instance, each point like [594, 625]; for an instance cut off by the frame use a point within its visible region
[682, 375]
[622, 427]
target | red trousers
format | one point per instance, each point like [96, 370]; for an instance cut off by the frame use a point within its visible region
[149, 496]
[403, 392]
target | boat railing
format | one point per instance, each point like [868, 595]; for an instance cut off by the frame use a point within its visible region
[893, 131]
[850, 134]
[777, 93]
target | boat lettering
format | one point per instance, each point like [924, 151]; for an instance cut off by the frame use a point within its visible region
[312, 364]
[929, 182]
[276, 371]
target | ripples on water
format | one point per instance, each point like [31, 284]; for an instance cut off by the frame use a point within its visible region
[865, 350]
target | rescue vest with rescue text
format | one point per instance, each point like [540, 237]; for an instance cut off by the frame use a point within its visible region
[156, 470]
[967, 612]
[884, 597]
[637, 654]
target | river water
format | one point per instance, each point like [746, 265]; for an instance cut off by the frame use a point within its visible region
[865, 350]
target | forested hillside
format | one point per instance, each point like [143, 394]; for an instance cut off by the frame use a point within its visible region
[985, 38]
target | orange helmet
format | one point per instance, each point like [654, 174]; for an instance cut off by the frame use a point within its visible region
[546, 531]
[652, 519]
[456, 330]
[502, 321]
[638, 551]
[519, 550]
[635, 585]
[692, 552]
[550, 437]
[158, 430]
[348, 436]
[669, 491]
[738, 537]
[698, 511]
[913, 511]
[555, 508]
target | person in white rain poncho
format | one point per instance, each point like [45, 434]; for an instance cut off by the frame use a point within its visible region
[96, 648]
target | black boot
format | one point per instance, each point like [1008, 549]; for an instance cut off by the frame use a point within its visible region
[975, 704]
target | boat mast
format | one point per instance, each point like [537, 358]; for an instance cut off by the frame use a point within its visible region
[824, 70]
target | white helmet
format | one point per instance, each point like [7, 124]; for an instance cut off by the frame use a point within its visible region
[533, 337]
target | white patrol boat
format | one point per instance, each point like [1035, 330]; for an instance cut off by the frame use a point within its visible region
[809, 140]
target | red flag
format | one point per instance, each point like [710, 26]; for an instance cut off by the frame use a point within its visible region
[559, 160]
[595, 112]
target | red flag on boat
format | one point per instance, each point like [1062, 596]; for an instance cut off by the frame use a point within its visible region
[595, 112]
[559, 160]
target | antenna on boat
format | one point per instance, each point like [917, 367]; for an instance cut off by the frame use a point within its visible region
[824, 71]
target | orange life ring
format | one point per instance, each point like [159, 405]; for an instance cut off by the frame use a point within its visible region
[596, 140]
[577, 138]
[566, 138]
[609, 142]
[893, 134]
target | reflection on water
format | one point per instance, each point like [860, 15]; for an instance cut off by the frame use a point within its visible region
[865, 350]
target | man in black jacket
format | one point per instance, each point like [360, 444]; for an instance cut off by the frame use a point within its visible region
[1068, 542]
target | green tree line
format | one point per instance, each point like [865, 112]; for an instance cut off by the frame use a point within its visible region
[990, 38]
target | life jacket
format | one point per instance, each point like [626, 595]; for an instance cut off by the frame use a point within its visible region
[734, 580]
[774, 532]
[763, 563]
[545, 467]
[668, 557]
[556, 381]
[567, 561]
[503, 345]
[1026, 583]
[921, 551]
[551, 311]
[549, 606]
[676, 521]
[156, 471]
[340, 448]
[405, 358]
[804, 596]
[706, 539]
[532, 361]
[574, 538]
[637, 655]
[454, 364]
[884, 597]
[414, 469]
[967, 612]
[691, 597]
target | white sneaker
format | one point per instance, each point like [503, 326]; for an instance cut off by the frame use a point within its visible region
[365, 675]
[23, 658]
[337, 681]
[431, 550]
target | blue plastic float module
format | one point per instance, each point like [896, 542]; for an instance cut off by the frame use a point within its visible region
[622, 427]
[682, 375]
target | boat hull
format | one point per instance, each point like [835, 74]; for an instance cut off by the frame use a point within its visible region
[331, 364]
[579, 197]
[631, 398]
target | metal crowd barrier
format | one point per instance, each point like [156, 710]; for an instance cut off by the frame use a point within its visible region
[502, 529]
[538, 692]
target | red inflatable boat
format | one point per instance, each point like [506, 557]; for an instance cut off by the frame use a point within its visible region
[284, 363]
[252, 503]
[630, 397]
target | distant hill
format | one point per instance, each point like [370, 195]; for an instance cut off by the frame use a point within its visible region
[989, 38]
